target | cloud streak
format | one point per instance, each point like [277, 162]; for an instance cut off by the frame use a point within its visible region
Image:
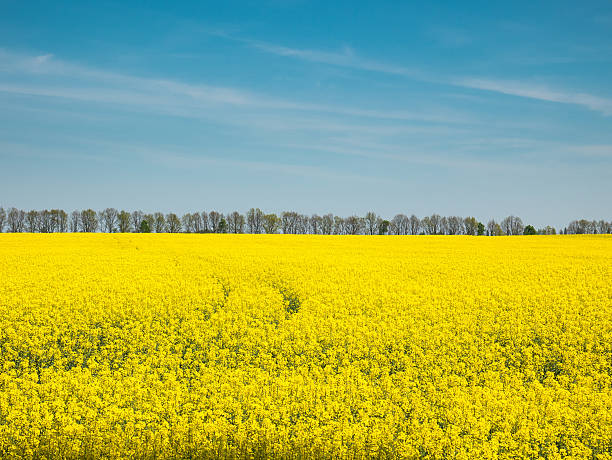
[174, 97]
[542, 93]
[168, 96]
[349, 59]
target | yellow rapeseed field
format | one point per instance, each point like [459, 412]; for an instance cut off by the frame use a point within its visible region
[278, 346]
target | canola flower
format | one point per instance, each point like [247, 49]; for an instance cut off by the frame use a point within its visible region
[278, 346]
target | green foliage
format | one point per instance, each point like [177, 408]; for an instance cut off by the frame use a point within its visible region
[271, 223]
[384, 227]
[222, 226]
[145, 227]
[471, 225]
[481, 229]
[530, 230]
[548, 230]
[124, 222]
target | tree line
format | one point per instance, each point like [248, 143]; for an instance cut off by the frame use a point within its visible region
[111, 220]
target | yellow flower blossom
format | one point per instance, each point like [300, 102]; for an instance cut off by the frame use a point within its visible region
[281, 346]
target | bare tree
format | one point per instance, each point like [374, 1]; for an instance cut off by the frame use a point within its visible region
[89, 221]
[254, 220]
[215, 219]
[443, 226]
[494, 229]
[235, 222]
[45, 221]
[21, 220]
[54, 217]
[192, 222]
[371, 223]
[289, 222]
[62, 221]
[491, 227]
[75, 221]
[124, 221]
[187, 221]
[471, 225]
[431, 224]
[575, 227]
[159, 222]
[108, 218]
[327, 224]
[455, 225]
[196, 222]
[512, 225]
[302, 224]
[316, 222]
[395, 225]
[2, 219]
[592, 227]
[414, 225]
[204, 216]
[436, 224]
[582, 226]
[31, 221]
[399, 225]
[506, 225]
[58, 220]
[173, 223]
[381, 226]
[54, 220]
[354, 225]
[286, 222]
[15, 220]
[339, 226]
[137, 217]
[270, 223]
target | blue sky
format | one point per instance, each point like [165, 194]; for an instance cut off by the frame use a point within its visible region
[459, 108]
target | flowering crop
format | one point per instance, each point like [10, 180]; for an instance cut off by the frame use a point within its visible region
[140, 345]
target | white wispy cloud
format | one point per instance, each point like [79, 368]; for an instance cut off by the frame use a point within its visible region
[84, 78]
[169, 96]
[350, 59]
[336, 131]
[346, 58]
[175, 97]
[539, 92]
